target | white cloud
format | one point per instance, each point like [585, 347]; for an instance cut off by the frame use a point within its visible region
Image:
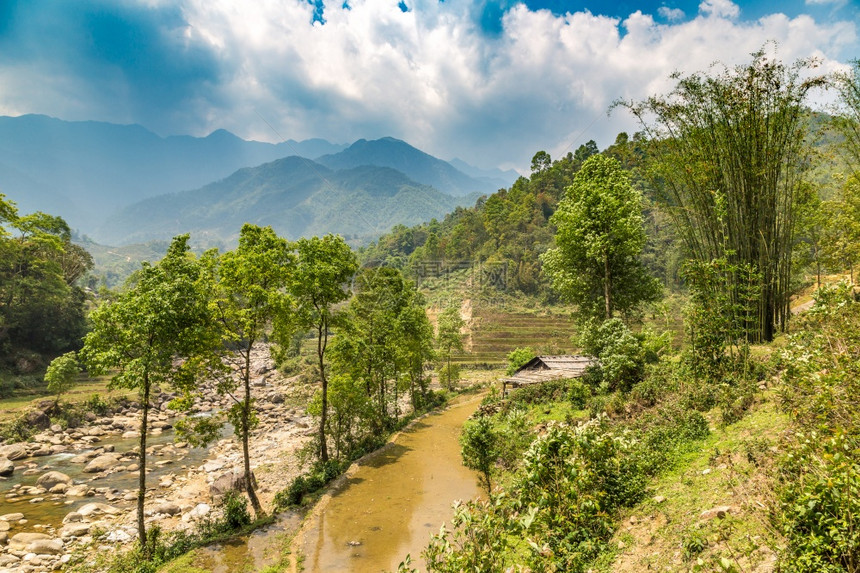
[720, 8]
[430, 76]
[671, 14]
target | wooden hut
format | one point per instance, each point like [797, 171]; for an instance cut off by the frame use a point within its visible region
[544, 368]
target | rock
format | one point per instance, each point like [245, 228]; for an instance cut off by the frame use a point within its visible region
[7, 468]
[13, 452]
[659, 499]
[230, 481]
[8, 559]
[199, 510]
[167, 508]
[56, 428]
[46, 546]
[75, 530]
[37, 419]
[22, 541]
[97, 508]
[72, 517]
[130, 434]
[213, 466]
[12, 517]
[78, 491]
[60, 488]
[53, 478]
[102, 463]
[719, 512]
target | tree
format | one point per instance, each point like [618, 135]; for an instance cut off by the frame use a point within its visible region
[729, 151]
[847, 119]
[41, 307]
[448, 339]
[479, 445]
[325, 266]
[62, 373]
[596, 262]
[157, 332]
[250, 294]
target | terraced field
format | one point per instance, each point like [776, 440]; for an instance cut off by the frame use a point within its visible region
[494, 333]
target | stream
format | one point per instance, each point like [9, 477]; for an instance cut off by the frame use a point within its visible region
[398, 496]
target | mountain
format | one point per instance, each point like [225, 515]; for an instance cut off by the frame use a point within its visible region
[294, 195]
[495, 177]
[417, 165]
[86, 170]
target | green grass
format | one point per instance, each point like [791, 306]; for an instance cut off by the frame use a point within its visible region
[726, 470]
[14, 406]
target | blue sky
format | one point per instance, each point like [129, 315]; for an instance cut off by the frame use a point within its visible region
[489, 81]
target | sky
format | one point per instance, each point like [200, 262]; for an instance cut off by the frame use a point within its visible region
[487, 81]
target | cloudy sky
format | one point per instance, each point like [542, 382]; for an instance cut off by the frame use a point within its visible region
[488, 81]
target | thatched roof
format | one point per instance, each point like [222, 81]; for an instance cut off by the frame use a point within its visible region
[545, 368]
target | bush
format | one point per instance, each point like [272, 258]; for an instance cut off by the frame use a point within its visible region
[578, 394]
[308, 483]
[619, 351]
[519, 357]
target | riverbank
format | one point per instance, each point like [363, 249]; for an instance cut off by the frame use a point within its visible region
[71, 493]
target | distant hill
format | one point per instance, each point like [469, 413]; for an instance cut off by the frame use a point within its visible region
[417, 165]
[294, 195]
[493, 177]
[86, 170]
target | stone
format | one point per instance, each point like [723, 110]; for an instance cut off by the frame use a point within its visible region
[167, 508]
[72, 517]
[199, 510]
[75, 530]
[7, 468]
[97, 508]
[56, 428]
[60, 488]
[659, 499]
[22, 541]
[46, 546]
[12, 517]
[52, 478]
[230, 481]
[719, 512]
[78, 491]
[13, 451]
[102, 463]
[4, 526]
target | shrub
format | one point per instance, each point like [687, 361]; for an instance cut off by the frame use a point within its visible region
[578, 394]
[619, 351]
[519, 357]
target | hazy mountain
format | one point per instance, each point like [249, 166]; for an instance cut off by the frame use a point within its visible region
[85, 170]
[417, 165]
[494, 177]
[296, 196]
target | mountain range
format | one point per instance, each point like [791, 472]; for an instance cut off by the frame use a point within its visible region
[122, 183]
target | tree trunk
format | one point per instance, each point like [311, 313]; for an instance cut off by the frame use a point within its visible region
[607, 296]
[246, 431]
[322, 333]
[141, 476]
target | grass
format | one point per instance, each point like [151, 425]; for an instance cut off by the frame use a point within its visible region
[729, 469]
[11, 408]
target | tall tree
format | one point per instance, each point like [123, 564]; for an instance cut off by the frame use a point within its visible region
[730, 153]
[596, 263]
[157, 332]
[250, 294]
[847, 118]
[449, 338]
[321, 281]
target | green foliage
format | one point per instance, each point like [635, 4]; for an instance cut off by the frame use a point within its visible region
[519, 357]
[62, 373]
[620, 354]
[43, 308]
[819, 479]
[350, 415]
[578, 394]
[310, 482]
[480, 447]
[157, 332]
[599, 241]
[449, 338]
[729, 152]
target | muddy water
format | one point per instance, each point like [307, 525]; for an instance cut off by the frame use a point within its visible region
[394, 501]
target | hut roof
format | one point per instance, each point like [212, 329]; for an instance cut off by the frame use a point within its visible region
[545, 368]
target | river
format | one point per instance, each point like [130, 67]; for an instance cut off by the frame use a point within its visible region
[391, 503]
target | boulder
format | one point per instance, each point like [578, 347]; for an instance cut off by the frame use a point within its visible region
[75, 530]
[78, 491]
[167, 508]
[97, 508]
[231, 481]
[22, 541]
[7, 468]
[72, 517]
[12, 517]
[102, 463]
[13, 451]
[37, 419]
[46, 547]
[52, 478]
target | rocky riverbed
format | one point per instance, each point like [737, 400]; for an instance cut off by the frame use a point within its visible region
[75, 490]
